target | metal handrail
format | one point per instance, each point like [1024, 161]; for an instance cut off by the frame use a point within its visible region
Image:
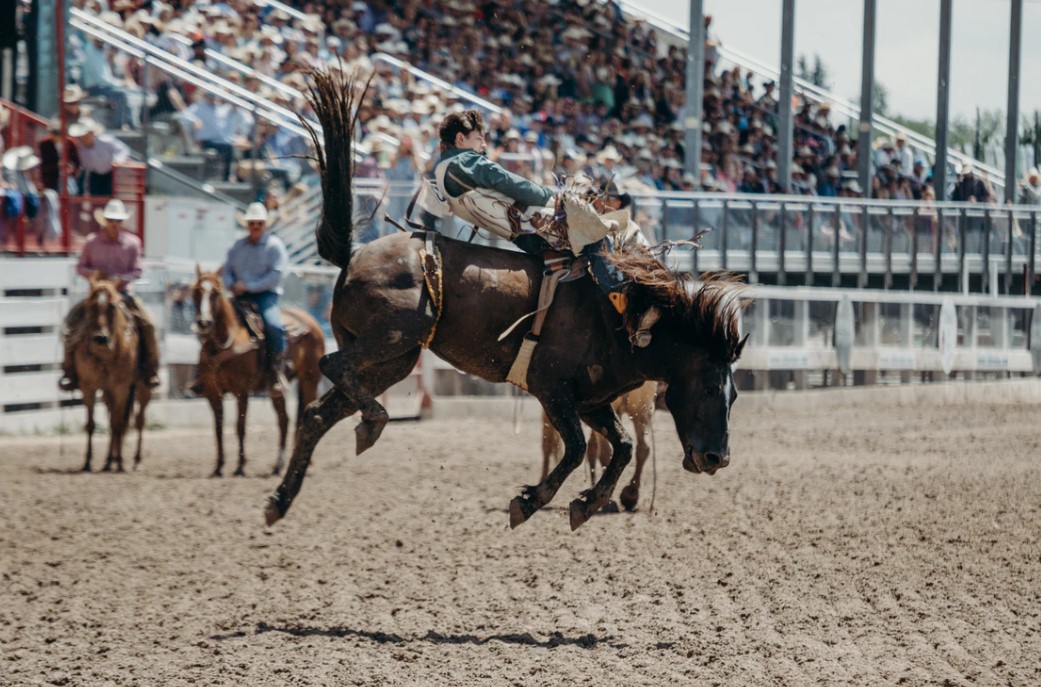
[883, 124]
[440, 83]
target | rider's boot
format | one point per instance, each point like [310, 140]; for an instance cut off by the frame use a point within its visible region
[149, 353]
[611, 281]
[278, 374]
[69, 381]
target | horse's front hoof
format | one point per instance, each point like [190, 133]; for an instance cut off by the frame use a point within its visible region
[106, 468]
[119, 468]
[629, 497]
[273, 510]
[216, 473]
[578, 514]
[239, 473]
[520, 510]
[86, 468]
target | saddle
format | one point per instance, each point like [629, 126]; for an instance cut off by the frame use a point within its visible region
[250, 318]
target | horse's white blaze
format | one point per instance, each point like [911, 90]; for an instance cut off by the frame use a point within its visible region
[103, 298]
[727, 391]
[206, 313]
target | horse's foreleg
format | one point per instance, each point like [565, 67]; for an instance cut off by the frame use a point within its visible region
[217, 406]
[279, 402]
[605, 421]
[319, 418]
[242, 401]
[630, 495]
[560, 411]
[117, 402]
[88, 402]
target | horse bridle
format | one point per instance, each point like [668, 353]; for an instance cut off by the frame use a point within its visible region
[208, 293]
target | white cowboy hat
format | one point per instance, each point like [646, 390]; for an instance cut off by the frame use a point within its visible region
[73, 94]
[610, 153]
[20, 159]
[255, 212]
[85, 126]
[114, 211]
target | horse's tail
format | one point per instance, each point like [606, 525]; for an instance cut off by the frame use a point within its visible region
[335, 98]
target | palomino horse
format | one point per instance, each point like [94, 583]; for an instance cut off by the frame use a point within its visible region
[409, 290]
[638, 404]
[231, 362]
[106, 360]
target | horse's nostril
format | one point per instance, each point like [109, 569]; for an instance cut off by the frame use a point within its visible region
[714, 460]
[101, 339]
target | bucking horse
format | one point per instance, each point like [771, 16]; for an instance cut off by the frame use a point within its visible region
[410, 290]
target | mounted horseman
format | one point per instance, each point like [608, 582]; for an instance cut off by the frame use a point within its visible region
[409, 291]
[113, 254]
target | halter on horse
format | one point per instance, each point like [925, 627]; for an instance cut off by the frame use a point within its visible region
[387, 305]
[230, 361]
[106, 361]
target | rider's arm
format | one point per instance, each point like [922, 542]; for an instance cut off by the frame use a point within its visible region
[134, 255]
[83, 267]
[487, 174]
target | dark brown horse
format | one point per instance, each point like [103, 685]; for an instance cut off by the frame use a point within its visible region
[106, 361]
[384, 312]
[638, 404]
[231, 362]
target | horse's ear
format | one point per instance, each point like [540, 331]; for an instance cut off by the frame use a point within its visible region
[198, 271]
[741, 345]
[220, 271]
[95, 277]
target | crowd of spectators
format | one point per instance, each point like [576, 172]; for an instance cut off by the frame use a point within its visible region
[603, 95]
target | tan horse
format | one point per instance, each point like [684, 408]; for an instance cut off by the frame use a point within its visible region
[638, 404]
[231, 362]
[106, 360]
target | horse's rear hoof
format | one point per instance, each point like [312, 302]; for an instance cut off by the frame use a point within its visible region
[577, 511]
[367, 433]
[239, 473]
[629, 497]
[216, 473]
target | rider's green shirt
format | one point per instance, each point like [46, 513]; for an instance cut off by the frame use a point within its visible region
[469, 169]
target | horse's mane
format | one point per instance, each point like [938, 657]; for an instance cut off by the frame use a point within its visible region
[705, 313]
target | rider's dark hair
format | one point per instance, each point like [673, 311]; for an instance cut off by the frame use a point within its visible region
[464, 123]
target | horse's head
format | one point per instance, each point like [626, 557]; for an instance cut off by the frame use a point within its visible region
[208, 297]
[699, 341]
[103, 313]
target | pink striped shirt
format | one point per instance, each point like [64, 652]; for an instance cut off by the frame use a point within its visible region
[119, 258]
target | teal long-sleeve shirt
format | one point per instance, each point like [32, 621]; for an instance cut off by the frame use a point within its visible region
[469, 169]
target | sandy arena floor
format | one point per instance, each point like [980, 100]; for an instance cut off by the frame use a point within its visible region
[892, 547]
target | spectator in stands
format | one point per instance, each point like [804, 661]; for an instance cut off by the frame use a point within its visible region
[116, 254]
[903, 155]
[97, 152]
[1030, 188]
[99, 79]
[970, 188]
[212, 128]
[404, 169]
[51, 148]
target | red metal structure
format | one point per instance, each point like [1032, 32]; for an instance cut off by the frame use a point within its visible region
[26, 128]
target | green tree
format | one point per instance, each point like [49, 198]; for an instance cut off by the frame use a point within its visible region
[817, 75]
[880, 100]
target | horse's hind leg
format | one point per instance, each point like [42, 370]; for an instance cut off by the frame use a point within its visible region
[550, 446]
[605, 421]
[319, 418]
[630, 495]
[242, 400]
[279, 402]
[144, 395]
[361, 381]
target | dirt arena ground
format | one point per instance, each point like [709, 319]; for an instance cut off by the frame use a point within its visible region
[861, 547]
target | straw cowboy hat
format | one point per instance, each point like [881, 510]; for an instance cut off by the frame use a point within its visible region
[610, 153]
[20, 159]
[255, 212]
[114, 211]
[73, 94]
